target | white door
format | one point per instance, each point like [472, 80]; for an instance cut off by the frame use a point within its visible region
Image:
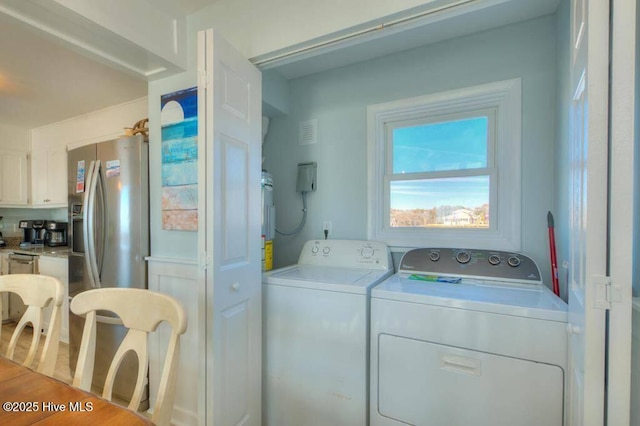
[588, 217]
[623, 164]
[230, 104]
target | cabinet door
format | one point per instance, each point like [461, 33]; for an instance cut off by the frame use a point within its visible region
[57, 177]
[49, 178]
[13, 178]
[39, 178]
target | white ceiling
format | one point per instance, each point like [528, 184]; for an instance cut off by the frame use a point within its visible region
[43, 81]
[459, 21]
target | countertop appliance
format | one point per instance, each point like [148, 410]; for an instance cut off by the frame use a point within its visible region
[462, 337]
[109, 238]
[55, 233]
[33, 233]
[315, 333]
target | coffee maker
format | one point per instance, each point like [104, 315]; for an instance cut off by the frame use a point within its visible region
[55, 233]
[33, 231]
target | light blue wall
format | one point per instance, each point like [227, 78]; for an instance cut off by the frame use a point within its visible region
[562, 185]
[338, 100]
[636, 177]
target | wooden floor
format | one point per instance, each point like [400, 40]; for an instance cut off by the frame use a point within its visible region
[62, 371]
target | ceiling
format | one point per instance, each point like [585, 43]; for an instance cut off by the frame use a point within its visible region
[427, 29]
[43, 80]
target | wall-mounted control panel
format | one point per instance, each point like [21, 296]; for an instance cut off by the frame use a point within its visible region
[307, 177]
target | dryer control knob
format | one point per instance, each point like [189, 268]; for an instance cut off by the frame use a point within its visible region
[434, 256]
[367, 252]
[463, 257]
[514, 261]
[326, 250]
[494, 259]
[314, 249]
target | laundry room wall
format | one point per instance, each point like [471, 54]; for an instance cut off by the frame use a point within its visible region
[562, 162]
[636, 228]
[338, 100]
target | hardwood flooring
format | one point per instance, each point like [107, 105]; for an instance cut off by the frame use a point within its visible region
[62, 371]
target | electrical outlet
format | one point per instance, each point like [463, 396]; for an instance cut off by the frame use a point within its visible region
[326, 227]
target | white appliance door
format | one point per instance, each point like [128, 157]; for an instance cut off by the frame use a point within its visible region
[624, 113]
[588, 218]
[425, 383]
[229, 155]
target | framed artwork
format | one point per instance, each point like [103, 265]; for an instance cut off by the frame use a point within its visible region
[179, 123]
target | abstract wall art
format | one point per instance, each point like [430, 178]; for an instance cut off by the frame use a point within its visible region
[179, 123]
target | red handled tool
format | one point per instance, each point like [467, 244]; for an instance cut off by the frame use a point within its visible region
[552, 250]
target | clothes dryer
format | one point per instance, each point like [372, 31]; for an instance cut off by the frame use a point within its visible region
[316, 333]
[467, 337]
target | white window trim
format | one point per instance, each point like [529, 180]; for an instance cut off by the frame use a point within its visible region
[503, 96]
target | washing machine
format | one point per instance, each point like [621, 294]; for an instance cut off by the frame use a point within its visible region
[467, 337]
[316, 333]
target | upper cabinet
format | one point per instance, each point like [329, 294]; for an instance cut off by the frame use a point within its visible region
[49, 177]
[13, 179]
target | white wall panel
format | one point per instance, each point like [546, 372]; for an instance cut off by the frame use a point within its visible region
[178, 279]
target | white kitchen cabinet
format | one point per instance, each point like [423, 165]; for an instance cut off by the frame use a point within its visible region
[13, 178]
[57, 267]
[49, 177]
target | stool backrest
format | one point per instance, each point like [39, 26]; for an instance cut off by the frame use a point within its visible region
[36, 292]
[141, 311]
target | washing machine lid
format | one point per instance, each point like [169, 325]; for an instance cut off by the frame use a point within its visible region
[344, 280]
[515, 299]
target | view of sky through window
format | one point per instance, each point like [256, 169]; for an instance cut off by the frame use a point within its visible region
[450, 145]
[460, 201]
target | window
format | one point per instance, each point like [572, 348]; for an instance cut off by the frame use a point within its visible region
[444, 169]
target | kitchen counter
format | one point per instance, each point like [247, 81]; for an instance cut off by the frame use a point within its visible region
[62, 252]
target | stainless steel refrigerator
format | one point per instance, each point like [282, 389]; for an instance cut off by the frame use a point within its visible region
[109, 239]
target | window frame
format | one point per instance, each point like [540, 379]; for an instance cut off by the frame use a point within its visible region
[503, 163]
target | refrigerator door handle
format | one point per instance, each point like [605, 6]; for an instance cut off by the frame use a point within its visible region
[89, 223]
[87, 218]
[101, 240]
